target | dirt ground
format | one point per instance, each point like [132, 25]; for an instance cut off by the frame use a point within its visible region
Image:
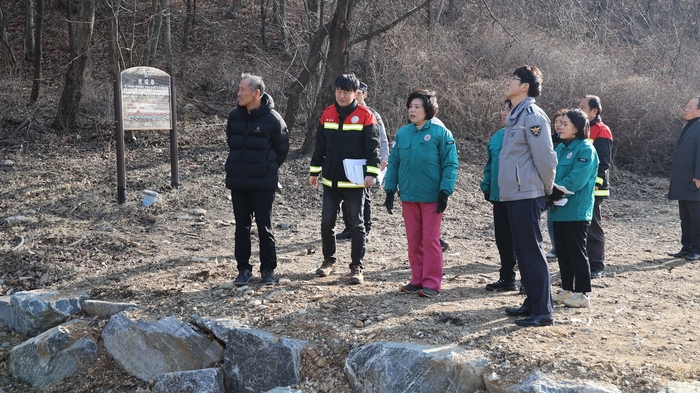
[176, 258]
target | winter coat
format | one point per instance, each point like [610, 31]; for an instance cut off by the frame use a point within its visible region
[576, 171]
[258, 145]
[602, 139]
[684, 165]
[490, 183]
[422, 162]
[527, 161]
[345, 132]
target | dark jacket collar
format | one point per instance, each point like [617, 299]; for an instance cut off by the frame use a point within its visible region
[596, 119]
[345, 111]
[267, 105]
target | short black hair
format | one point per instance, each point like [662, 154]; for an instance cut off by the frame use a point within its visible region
[429, 101]
[580, 120]
[347, 82]
[594, 103]
[531, 75]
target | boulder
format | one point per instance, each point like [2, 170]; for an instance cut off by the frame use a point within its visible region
[148, 350]
[37, 311]
[280, 390]
[538, 382]
[257, 361]
[219, 327]
[58, 353]
[5, 311]
[102, 309]
[681, 387]
[387, 367]
[209, 380]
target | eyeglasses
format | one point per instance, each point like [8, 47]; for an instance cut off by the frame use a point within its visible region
[515, 78]
[505, 110]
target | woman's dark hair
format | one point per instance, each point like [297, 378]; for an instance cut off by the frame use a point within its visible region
[429, 101]
[531, 75]
[347, 82]
[580, 120]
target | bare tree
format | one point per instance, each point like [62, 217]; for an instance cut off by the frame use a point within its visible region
[36, 57]
[154, 32]
[8, 55]
[75, 75]
[189, 23]
[110, 12]
[29, 30]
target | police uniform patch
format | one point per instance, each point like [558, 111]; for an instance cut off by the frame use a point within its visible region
[426, 138]
[568, 156]
[355, 119]
[535, 131]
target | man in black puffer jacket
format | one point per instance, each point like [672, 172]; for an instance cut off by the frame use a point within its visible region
[259, 142]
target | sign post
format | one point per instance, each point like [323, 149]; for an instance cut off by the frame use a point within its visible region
[144, 100]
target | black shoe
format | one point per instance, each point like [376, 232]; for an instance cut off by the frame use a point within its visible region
[679, 254]
[243, 278]
[502, 285]
[267, 278]
[344, 235]
[692, 257]
[535, 320]
[601, 273]
[444, 245]
[518, 311]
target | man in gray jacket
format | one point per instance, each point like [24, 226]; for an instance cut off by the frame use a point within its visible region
[685, 181]
[527, 163]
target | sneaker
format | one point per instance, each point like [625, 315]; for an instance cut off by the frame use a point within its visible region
[578, 300]
[344, 235]
[356, 275]
[427, 292]
[502, 285]
[410, 288]
[597, 273]
[551, 255]
[326, 268]
[243, 278]
[561, 296]
[444, 245]
[268, 278]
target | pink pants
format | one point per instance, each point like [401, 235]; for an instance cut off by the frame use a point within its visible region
[424, 251]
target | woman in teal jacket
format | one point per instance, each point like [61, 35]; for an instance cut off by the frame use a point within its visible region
[572, 207]
[423, 168]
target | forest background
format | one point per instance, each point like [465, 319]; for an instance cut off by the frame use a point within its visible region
[640, 57]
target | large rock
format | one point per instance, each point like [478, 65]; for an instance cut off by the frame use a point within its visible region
[148, 350]
[256, 361]
[280, 390]
[56, 354]
[102, 309]
[538, 382]
[219, 327]
[681, 387]
[209, 380]
[5, 311]
[35, 312]
[387, 367]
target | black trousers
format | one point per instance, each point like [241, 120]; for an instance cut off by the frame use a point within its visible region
[689, 212]
[247, 204]
[524, 217]
[570, 237]
[367, 212]
[596, 238]
[353, 199]
[504, 242]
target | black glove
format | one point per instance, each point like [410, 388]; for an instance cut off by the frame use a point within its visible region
[441, 202]
[487, 196]
[556, 195]
[389, 202]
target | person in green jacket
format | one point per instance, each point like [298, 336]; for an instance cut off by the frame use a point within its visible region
[571, 207]
[501, 224]
[423, 169]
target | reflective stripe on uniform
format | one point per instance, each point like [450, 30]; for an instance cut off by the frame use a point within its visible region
[331, 126]
[601, 193]
[314, 169]
[353, 127]
[372, 169]
[341, 184]
[598, 180]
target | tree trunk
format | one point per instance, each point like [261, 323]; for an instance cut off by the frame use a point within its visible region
[154, 30]
[75, 75]
[283, 24]
[8, 55]
[29, 30]
[263, 22]
[36, 57]
[167, 37]
[189, 21]
[339, 36]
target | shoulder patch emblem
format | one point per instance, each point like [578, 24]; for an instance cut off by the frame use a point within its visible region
[355, 119]
[426, 138]
[535, 131]
[568, 156]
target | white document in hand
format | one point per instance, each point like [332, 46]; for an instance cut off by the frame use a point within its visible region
[355, 170]
[563, 189]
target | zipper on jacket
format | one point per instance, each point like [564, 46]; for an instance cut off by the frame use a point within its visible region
[517, 175]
